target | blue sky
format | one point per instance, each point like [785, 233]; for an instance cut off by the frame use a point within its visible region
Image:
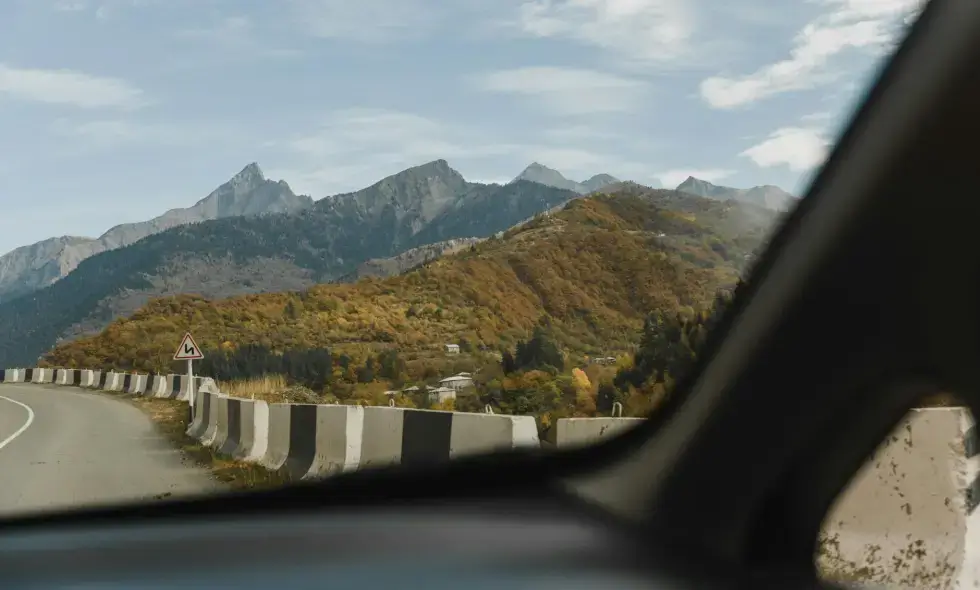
[116, 110]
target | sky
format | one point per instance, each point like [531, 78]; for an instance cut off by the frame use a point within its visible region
[115, 111]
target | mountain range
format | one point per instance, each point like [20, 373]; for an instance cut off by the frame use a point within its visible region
[543, 175]
[771, 197]
[253, 235]
[32, 267]
[592, 270]
[238, 255]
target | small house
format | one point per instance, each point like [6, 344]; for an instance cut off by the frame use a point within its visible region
[452, 349]
[441, 394]
[457, 382]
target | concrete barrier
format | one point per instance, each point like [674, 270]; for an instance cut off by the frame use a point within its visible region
[217, 430]
[47, 376]
[419, 437]
[908, 518]
[575, 432]
[36, 375]
[277, 450]
[158, 386]
[202, 416]
[301, 443]
[230, 438]
[13, 376]
[137, 384]
[254, 431]
[113, 381]
[179, 388]
[339, 434]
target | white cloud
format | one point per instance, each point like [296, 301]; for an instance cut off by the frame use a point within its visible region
[568, 91]
[672, 178]
[69, 6]
[580, 133]
[647, 30]
[872, 25]
[352, 148]
[236, 35]
[349, 147]
[68, 87]
[798, 148]
[112, 133]
[365, 20]
[103, 9]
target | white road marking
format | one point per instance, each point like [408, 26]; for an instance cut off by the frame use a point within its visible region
[20, 431]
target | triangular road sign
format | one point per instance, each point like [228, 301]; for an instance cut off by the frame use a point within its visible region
[188, 350]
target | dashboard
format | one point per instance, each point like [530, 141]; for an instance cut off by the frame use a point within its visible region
[426, 546]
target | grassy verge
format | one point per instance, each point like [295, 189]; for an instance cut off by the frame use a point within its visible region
[170, 418]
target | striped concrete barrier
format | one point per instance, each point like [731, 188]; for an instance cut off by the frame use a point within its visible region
[13, 376]
[217, 430]
[47, 376]
[179, 388]
[229, 439]
[420, 437]
[202, 416]
[157, 386]
[37, 375]
[137, 384]
[277, 449]
[86, 378]
[338, 434]
[310, 441]
[113, 381]
[254, 438]
[60, 377]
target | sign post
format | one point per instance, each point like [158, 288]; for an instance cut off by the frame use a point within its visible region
[189, 351]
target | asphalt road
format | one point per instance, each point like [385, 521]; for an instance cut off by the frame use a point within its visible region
[63, 447]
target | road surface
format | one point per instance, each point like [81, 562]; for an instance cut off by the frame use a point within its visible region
[63, 447]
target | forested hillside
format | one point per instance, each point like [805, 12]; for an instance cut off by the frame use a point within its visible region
[593, 271]
[235, 256]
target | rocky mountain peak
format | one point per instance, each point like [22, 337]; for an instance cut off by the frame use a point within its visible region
[537, 172]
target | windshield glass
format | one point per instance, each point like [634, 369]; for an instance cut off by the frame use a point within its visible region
[249, 243]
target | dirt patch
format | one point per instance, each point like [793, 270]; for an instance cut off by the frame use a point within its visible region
[171, 419]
